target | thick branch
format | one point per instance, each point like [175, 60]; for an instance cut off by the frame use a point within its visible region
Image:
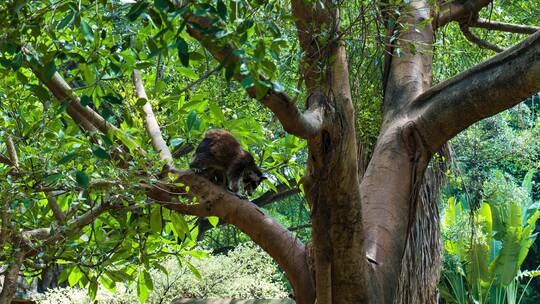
[275, 239]
[505, 27]
[269, 197]
[478, 41]
[304, 125]
[202, 78]
[485, 90]
[152, 126]
[456, 11]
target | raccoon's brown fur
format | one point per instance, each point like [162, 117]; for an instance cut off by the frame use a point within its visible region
[220, 158]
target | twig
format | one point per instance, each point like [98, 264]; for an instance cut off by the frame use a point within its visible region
[203, 77]
[505, 27]
[300, 227]
[476, 40]
[53, 204]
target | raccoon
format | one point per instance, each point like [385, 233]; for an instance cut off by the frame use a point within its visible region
[220, 158]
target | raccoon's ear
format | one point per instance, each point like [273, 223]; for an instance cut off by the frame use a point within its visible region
[263, 178]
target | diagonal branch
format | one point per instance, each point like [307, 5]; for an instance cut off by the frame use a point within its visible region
[53, 204]
[12, 152]
[152, 126]
[505, 27]
[304, 125]
[281, 244]
[283, 191]
[478, 41]
[487, 89]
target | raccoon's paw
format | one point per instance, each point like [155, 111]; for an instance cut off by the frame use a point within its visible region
[241, 196]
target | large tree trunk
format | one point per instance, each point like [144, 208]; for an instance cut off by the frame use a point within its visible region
[331, 181]
[401, 214]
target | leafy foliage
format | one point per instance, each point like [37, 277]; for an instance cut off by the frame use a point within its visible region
[218, 276]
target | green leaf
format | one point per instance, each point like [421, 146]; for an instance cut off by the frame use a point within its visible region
[141, 102]
[108, 282]
[49, 69]
[86, 100]
[217, 113]
[68, 18]
[51, 179]
[92, 289]
[82, 179]
[247, 82]
[17, 62]
[40, 92]
[183, 51]
[161, 5]
[222, 10]
[113, 99]
[187, 72]
[261, 88]
[156, 223]
[99, 152]
[192, 118]
[87, 31]
[229, 71]
[136, 10]
[180, 225]
[75, 276]
[192, 268]
[142, 288]
[214, 220]
[148, 280]
[67, 158]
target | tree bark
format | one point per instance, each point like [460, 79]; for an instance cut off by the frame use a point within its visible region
[401, 238]
[10, 278]
[331, 180]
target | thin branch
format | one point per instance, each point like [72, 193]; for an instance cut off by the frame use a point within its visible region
[202, 78]
[152, 126]
[53, 204]
[505, 27]
[305, 125]
[478, 41]
[270, 197]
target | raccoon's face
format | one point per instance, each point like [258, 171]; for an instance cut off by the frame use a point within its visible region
[251, 180]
